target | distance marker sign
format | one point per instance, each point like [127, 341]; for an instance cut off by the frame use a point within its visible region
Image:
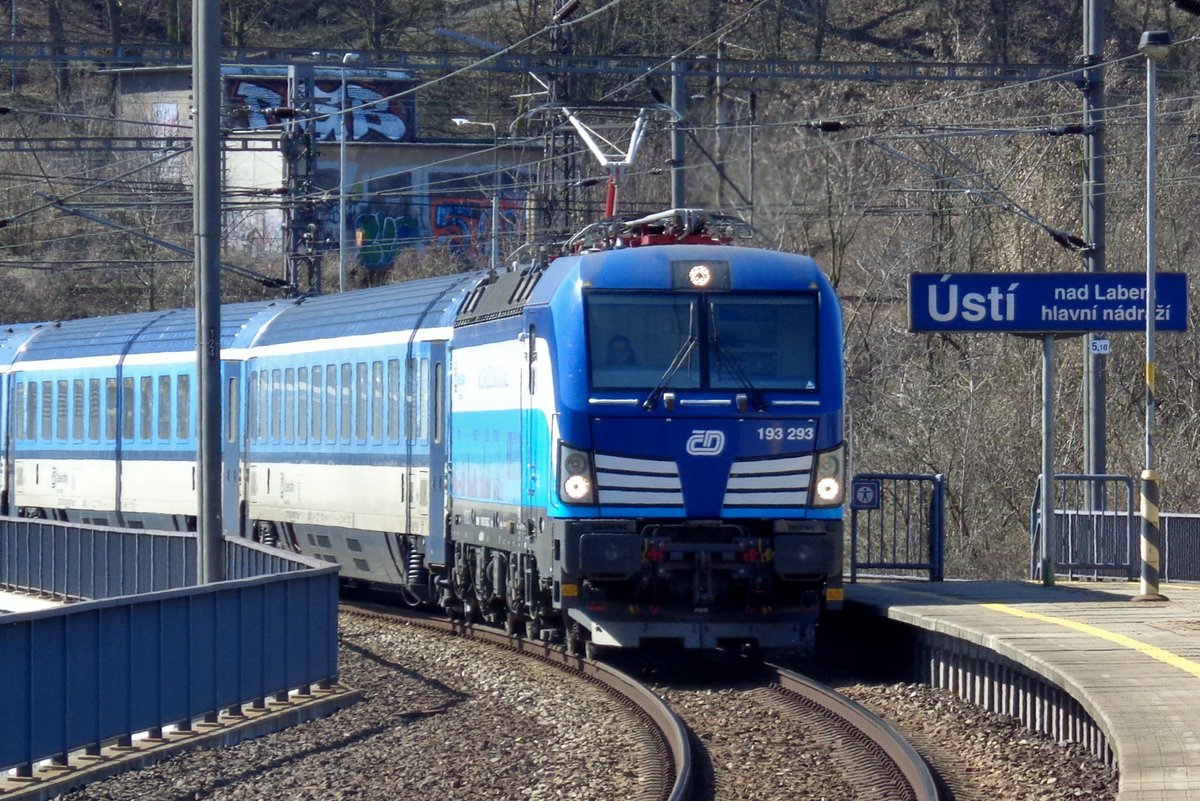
[1043, 303]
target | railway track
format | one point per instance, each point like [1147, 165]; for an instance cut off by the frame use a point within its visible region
[663, 750]
[767, 732]
[844, 750]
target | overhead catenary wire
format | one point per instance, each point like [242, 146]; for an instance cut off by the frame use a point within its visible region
[956, 99]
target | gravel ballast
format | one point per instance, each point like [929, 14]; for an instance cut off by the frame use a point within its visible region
[447, 718]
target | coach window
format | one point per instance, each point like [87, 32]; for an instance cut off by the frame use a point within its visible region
[231, 410]
[317, 389]
[146, 407]
[331, 403]
[77, 428]
[393, 400]
[164, 407]
[252, 414]
[289, 405]
[409, 398]
[183, 407]
[360, 402]
[61, 401]
[110, 409]
[423, 401]
[276, 392]
[94, 409]
[263, 405]
[20, 407]
[31, 410]
[347, 401]
[302, 401]
[301, 404]
[437, 402]
[377, 401]
[48, 410]
[127, 408]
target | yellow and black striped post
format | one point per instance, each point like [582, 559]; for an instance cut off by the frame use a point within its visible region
[1150, 539]
[1154, 46]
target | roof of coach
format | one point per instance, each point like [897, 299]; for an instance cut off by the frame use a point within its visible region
[170, 331]
[11, 340]
[421, 304]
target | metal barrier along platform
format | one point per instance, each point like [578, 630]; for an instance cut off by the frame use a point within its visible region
[897, 525]
[135, 660]
[1078, 661]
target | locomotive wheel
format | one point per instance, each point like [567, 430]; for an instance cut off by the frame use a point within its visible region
[514, 624]
[576, 640]
[470, 610]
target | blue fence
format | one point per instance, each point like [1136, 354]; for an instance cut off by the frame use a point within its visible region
[153, 650]
[897, 525]
[1097, 532]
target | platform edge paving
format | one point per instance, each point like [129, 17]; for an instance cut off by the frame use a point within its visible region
[1154, 760]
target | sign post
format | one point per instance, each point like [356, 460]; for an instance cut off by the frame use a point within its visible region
[1047, 305]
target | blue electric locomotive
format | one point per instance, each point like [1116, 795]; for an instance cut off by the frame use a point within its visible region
[638, 441]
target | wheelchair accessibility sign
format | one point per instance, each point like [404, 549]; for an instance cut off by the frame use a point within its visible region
[865, 494]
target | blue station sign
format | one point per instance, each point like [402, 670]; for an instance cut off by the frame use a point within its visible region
[1043, 303]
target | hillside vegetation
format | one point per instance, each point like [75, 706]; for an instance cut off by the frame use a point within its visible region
[919, 176]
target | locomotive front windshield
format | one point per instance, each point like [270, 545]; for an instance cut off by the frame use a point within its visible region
[682, 341]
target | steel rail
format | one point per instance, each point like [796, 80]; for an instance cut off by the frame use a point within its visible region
[908, 763]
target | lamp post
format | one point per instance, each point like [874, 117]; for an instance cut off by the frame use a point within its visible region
[1154, 46]
[495, 232]
[343, 135]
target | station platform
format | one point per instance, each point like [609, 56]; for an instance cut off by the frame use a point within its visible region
[1133, 666]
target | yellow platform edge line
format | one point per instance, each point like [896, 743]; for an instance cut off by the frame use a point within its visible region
[1152, 651]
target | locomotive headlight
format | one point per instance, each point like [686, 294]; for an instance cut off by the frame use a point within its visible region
[577, 488]
[575, 482]
[829, 478]
[575, 463]
[828, 489]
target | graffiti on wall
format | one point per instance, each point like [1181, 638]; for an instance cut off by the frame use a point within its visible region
[464, 224]
[380, 235]
[375, 115]
[391, 210]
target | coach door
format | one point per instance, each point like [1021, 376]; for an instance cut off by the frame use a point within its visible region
[438, 413]
[231, 448]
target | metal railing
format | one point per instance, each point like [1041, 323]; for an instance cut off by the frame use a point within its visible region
[897, 524]
[1181, 546]
[1094, 523]
[152, 650]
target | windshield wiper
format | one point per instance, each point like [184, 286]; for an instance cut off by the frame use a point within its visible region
[681, 356]
[725, 358]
